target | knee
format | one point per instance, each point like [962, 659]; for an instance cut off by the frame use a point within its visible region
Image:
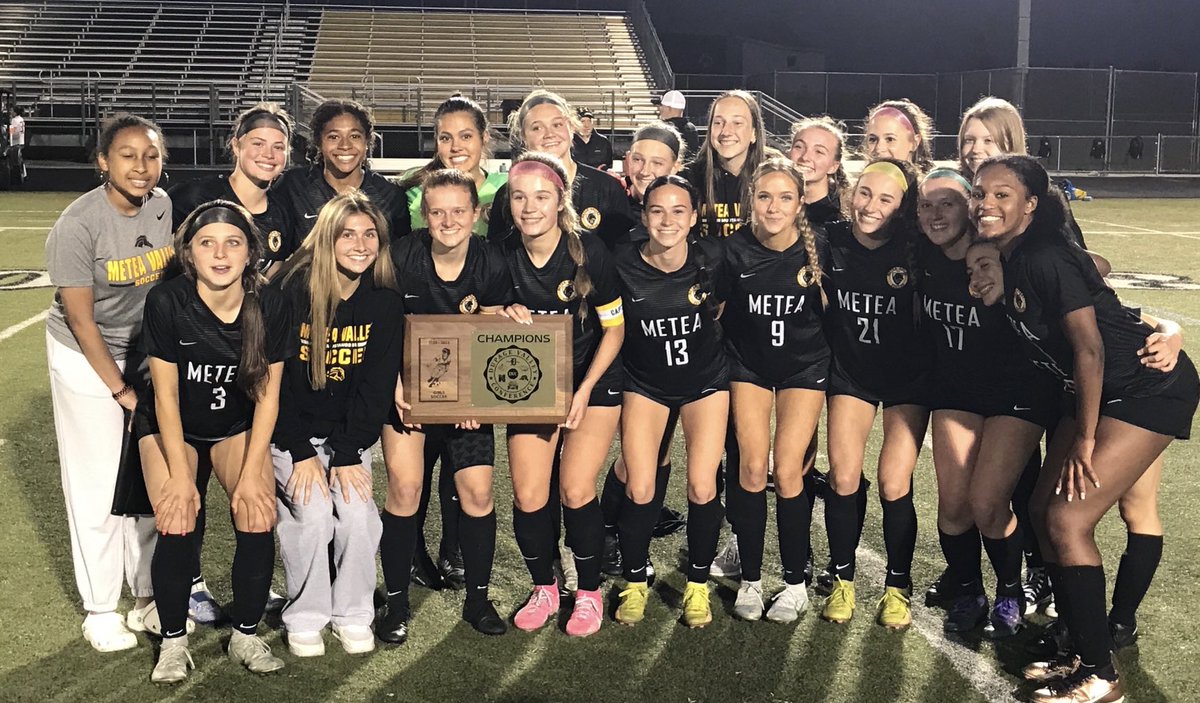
[955, 517]
[991, 516]
[894, 488]
[576, 496]
[640, 491]
[701, 493]
[527, 499]
[1065, 530]
[1139, 513]
[475, 500]
[753, 473]
[403, 497]
[845, 483]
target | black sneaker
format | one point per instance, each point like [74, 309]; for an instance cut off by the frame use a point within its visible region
[451, 569]
[824, 582]
[610, 561]
[935, 596]
[425, 573]
[482, 616]
[808, 571]
[1053, 642]
[1036, 589]
[1123, 635]
[669, 522]
[649, 572]
[392, 626]
[818, 483]
[967, 613]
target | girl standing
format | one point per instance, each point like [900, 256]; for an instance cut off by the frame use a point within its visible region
[721, 172]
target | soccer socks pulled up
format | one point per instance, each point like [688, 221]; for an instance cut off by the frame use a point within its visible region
[1020, 504]
[612, 497]
[170, 570]
[1005, 555]
[703, 529]
[962, 554]
[841, 524]
[537, 540]
[793, 517]
[451, 509]
[396, 548]
[478, 552]
[1088, 626]
[636, 527]
[752, 532]
[900, 539]
[1134, 575]
[585, 537]
[662, 478]
[253, 562]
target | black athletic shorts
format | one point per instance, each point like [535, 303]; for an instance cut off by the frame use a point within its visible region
[607, 391]
[145, 423]
[910, 391]
[676, 401]
[813, 378]
[1033, 400]
[458, 448]
[1168, 413]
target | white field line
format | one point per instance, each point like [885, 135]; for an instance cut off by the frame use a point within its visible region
[41, 227]
[10, 331]
[1162, 312]
[1114, 224]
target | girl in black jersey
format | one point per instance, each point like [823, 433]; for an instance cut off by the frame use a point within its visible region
[216, 344]
[674, 360]
[877, 359]
[734, 147]
[336, 392]
[259, 143]
[557, 270]
[989, 412]
[546, 123]
[1118, 414]
[899, 129]
[817, 147]
[444, 270]
[778, 358]
[343, 134]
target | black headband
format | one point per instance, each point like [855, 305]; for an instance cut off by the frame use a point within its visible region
[218, 214]
[258, 120]
[659, 134]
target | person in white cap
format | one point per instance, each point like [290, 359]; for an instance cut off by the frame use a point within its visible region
[670, 110]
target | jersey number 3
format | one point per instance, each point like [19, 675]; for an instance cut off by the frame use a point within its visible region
[677, 354]
[218, 398]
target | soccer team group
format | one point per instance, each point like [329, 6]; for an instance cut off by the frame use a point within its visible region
[250, 325]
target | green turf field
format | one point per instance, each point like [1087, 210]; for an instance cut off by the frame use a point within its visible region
[43, 657]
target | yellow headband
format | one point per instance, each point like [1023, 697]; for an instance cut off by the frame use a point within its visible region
[889, 169]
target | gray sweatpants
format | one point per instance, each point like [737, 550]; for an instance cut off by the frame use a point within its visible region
[305, 532]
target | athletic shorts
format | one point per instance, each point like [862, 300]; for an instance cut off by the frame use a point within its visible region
[1168, 413]
[910, 391]
[458, 448]
[607, 391]
[674, 401]
[1031, 399]
[813, 378]
[145, 423]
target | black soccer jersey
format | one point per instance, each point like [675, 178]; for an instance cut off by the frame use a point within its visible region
[304, 191]
[599, 199]
[550, 290]
[723, 216]
[275, 223]
[773, 315]
[673, 344]
[180, 328]
[596, 152]
[363, 351]
[484, 280]
[871, 324]
[827, 209]
[1043, 282]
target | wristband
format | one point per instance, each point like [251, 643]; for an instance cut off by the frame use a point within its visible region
[125, 390]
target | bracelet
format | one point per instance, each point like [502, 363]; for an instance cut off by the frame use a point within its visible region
[125, 390]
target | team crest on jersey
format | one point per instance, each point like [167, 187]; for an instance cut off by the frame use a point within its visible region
[806, 277]
[337, 373]
[566, 291]
[897, 277]
[1018, 300]
[590, 218]
[274, 240]
[696, 294]
[469, 305]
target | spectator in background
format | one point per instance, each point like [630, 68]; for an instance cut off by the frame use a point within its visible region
[589, 146]
[16, 142]
[670, 110]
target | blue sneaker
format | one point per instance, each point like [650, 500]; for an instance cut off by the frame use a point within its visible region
[1005, 620]
[202, 607]
[967, 613]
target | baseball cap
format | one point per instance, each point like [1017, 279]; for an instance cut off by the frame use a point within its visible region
[671, 98]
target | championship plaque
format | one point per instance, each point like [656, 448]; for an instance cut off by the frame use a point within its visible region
[488, 368]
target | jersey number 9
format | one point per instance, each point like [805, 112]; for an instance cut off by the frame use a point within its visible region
[777, 333]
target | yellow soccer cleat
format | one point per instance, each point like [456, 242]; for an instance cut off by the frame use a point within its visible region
[632, 608]
[839, 606]
[895, 612]
[696, 609]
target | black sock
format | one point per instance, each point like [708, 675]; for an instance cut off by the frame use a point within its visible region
[841, 517]
[1020, 506]
[900, 538]
[662, 478]
[636, 527]
[1005, 555]
[861, 496]
[554, 503]
[451, 510]
[612, 497]
[1087, 624]
[169, 573]
[585, 537]
[752, 533]
[1138, 564]
[253, 562]
[432, 450]
[703, 529]
[478, 552]
[793, 518]
[535, 538]
[198, 542]
[1062, 599]
[397, 546]
[962, 552]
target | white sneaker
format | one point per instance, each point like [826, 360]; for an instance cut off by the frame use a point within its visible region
[789, 604]
[306, 644]
[174, 661]
[749, 602]
[253, 653]
[106, 632]
[145, 619]
[355, 639]
[570, 576]
[728, 562]
[202, 607]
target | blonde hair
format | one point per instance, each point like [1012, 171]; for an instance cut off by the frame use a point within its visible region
[1002, 120]
[315, 257]
[516, 121]
[839, 182]
[922, 126]
[803, 226]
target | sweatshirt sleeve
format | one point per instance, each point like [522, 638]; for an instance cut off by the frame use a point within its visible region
[290, 434]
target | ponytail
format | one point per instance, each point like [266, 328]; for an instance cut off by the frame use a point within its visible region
[252, 377]
[583, 281]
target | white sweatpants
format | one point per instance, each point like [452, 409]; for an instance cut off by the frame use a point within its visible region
[87, 423]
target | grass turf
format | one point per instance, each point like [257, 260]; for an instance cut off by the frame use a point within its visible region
[43, 657]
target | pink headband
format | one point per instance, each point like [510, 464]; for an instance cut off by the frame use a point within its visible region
[536, 168]
[895, 113]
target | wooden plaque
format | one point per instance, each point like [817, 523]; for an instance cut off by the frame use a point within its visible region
[488, 368]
